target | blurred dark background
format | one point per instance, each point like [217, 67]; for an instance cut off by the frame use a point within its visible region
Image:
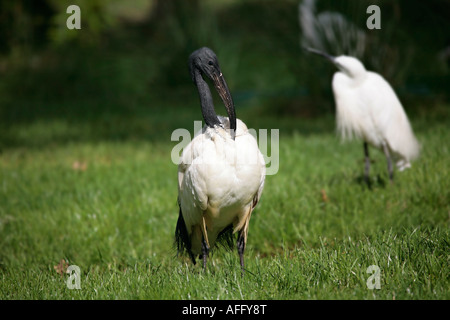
[124, 75]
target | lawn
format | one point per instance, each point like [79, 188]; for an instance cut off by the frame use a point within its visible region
[86, 177]
[100, 193]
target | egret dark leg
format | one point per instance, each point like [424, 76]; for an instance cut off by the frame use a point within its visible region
[389, 162]
[241, 248]
[366, 164]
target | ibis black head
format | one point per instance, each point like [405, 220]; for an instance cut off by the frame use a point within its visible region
[204, 62]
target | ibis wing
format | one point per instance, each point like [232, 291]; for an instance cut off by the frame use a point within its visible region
[192, 195]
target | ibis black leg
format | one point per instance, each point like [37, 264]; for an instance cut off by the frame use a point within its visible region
[389, 162]
[241, 248]
[205, 252]
[366, 164]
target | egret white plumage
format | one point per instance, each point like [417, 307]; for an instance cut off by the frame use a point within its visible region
[222, 171]
[368, 108]
[330, 30]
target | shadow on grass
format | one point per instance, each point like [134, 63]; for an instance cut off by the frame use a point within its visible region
[376, 181]
[112, 96]
[135, 84]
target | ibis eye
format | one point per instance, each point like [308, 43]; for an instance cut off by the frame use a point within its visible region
[210, 62]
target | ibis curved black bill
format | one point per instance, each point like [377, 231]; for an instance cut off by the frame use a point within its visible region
[204, 62]
[225, 95]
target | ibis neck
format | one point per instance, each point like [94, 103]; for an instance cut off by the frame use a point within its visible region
[206, 101]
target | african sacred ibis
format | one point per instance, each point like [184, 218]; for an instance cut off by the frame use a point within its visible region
[368, 108]
[221, 173]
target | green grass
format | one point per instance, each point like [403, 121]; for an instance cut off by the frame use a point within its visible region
[86, 174]
[313, 235]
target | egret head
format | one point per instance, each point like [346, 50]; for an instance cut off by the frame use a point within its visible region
[351, 66]
[204, 62]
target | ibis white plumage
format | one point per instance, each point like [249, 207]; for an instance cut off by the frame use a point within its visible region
[368, 108]
[222, 171]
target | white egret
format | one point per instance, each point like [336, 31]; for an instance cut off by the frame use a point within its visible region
[329, 30]
[222, 171]
[368, 108]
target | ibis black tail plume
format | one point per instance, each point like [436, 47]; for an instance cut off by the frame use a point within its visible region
[182, 241]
